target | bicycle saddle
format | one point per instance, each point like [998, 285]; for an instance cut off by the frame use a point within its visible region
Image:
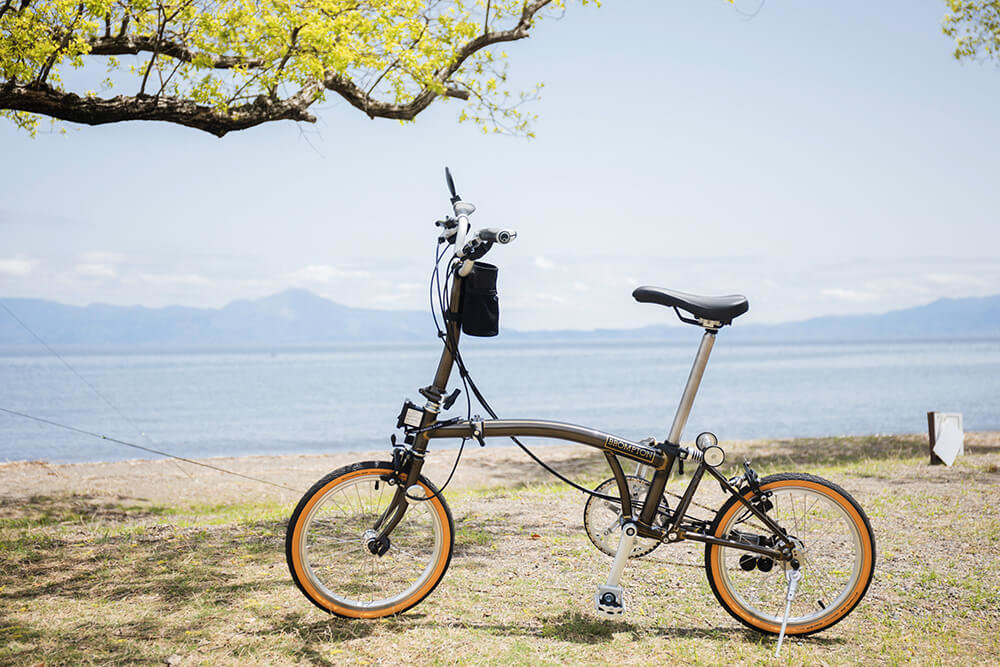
[722, 309]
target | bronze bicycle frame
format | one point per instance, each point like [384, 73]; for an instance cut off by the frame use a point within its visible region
[660, 457]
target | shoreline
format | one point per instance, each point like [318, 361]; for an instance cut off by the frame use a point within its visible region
[170, 480]
[174, 482]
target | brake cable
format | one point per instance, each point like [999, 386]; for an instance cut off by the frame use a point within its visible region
[436, 280]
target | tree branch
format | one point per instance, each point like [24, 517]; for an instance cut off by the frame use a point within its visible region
[379, 109]
[156, 51]
[519, 31]
[124, 45]
[43, 73]
[44, 99]
[359, 99]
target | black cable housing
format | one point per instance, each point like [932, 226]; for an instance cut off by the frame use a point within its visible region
[468, 382]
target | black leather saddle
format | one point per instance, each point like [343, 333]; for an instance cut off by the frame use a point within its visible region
[721, 309]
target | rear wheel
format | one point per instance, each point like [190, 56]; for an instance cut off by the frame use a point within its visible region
[834, 545]
[329, 536]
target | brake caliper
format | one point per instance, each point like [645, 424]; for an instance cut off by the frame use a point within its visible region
[761, 499]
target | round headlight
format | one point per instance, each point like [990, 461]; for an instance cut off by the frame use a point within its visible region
[706, 440]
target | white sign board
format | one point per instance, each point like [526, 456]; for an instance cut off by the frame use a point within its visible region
[949, 438]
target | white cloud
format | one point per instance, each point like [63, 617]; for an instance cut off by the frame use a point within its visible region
[390, 298]
[172, 279]
[101, 257]
[535, 301]
[954, 279]
[17, 266]
[326, 273]
[398, 293]
[96, 271]
[544, 263]
[857, 296]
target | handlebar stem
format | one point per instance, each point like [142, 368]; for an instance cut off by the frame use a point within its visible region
[463, 210]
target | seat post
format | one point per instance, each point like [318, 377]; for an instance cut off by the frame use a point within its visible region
[691, 388]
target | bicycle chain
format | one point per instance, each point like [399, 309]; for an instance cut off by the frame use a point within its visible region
[698, 505]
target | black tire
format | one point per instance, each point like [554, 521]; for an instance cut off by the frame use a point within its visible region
[837, 559]
[328, 556]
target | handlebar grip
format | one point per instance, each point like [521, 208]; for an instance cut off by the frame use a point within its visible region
[497, 235]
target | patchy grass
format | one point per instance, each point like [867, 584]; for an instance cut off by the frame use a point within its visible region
[84, 580]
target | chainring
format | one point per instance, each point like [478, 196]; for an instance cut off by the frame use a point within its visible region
[602, 518]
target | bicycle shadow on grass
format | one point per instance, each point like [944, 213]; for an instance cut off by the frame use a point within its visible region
[581, 628]
[79, 547]
[335, 629]
[569, 626]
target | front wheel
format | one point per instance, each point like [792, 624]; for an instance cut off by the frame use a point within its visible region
[329, 538]
[834, 545]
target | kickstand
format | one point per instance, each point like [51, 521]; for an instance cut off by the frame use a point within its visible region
[794, 576]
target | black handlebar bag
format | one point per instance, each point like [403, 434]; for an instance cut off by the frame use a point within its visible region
[480, 304]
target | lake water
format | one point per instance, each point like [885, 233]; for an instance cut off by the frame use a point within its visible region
[279, 401]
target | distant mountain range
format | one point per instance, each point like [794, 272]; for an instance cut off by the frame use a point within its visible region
[299, 317]
[291, 317]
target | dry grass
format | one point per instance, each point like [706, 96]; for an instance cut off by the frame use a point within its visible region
[84, 580]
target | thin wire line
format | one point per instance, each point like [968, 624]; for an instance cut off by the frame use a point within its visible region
[84, 380]
[173, 458]
[750, 15]
[143, 448]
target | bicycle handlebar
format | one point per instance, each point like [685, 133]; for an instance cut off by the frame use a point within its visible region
[457, 231]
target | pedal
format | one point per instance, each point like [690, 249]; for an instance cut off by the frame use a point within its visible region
[610, 600]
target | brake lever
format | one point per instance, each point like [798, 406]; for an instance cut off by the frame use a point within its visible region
[476, 248]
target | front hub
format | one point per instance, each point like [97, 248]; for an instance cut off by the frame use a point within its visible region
[376, 546]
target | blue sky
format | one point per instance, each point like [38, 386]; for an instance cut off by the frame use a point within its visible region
[818, 157]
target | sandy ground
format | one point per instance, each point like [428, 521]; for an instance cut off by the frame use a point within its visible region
[174, 481]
